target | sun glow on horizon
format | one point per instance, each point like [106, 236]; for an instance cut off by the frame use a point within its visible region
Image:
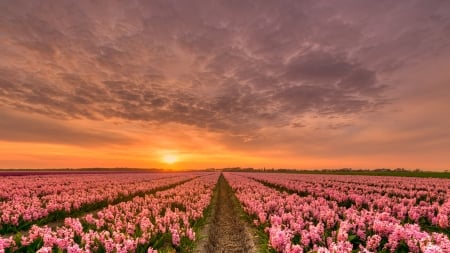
[169, 158]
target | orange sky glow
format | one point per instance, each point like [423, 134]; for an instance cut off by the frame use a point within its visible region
[306, 85]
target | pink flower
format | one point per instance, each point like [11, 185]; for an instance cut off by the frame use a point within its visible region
[74, 249]
[279, 239]
[190, 234]
[373, 242]
[44, 250]
[433, 249]
[151, 250]
[175, 237]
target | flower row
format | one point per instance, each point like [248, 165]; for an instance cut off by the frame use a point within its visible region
[31, 198]
[297, 223]
[412, 200]
[142, 223]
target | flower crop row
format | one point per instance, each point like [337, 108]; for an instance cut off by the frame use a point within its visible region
[313, 223]
[25, 200]
[138, 225]
[424, 201]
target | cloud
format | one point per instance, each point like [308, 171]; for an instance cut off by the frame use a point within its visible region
[223, 67]
[18, 127]
[317, 66]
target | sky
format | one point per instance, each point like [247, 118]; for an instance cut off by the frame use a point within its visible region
[197, 84]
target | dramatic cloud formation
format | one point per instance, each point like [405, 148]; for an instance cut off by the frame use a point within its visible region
[19, 128]
[303, 77]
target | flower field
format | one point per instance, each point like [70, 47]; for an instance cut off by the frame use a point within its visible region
[330, 213]
[25, 200]
[129, 226]
[163, 212]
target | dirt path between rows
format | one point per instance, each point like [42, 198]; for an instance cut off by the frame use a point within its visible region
[227, 233]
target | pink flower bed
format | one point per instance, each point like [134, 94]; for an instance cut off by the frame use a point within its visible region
[346, 213]
[127, 226]
[30, 198]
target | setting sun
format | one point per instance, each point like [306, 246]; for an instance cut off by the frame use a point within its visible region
[169, 159]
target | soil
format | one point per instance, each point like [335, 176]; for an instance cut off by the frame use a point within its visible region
[227, 233]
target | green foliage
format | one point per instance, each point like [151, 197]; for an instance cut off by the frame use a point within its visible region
[402, 247]
[161, 240]
[186, 245]
[296, 239]
[37, 244]
[347, 203]
[178, 206]
[355, 241]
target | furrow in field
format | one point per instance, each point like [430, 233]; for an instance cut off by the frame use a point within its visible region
[228, 232]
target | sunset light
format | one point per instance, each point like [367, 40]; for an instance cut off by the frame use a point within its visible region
[284, 126]
[301, 84]
[170, 159]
